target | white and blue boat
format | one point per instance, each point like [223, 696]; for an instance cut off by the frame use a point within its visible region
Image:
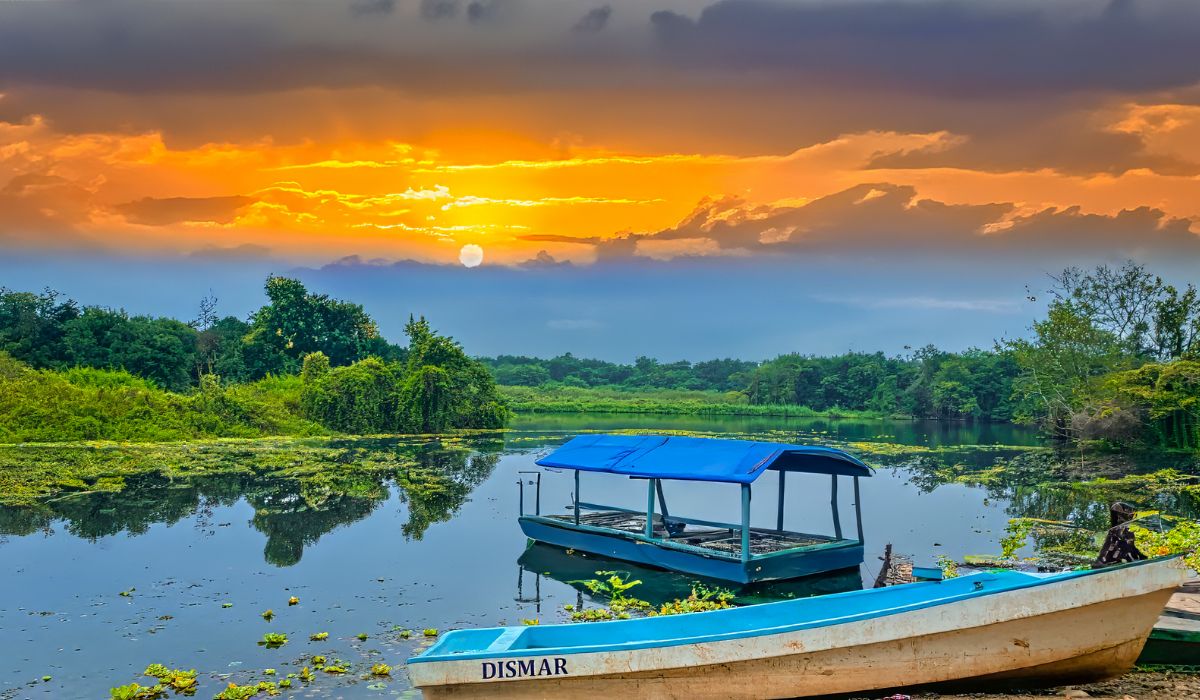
[999, 629]
[733, 552]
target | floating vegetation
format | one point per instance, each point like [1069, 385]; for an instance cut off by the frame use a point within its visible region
[702, 599]
[268, 615]
[318, 660]
[285, 683]
[269, 671]
[597, 615]
[293, 601]
[431, 632]
[128, 593]
[226, 605]
[177, 680]
[273, 640]
[362, 636]
[306, 675]
[405, 634]
[319, 637]
[137, 691]
[244, 692]
[530, 622]
[948, 566]
[381, 670]
[336, 668]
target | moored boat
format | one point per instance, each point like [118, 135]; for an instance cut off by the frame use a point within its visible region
[1005, 628]
[653, 536]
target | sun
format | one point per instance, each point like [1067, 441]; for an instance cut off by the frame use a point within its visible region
[471, 255]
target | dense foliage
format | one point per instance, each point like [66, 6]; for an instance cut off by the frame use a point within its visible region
[71, 373]
[1115, 360]
[931, 383]
[46, 331]
[437, 389]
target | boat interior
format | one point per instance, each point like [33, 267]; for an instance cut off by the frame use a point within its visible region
[721, 537]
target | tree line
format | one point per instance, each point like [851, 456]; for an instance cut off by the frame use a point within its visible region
[1116, 359]
[224, 374]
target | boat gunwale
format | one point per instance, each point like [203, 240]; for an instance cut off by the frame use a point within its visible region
[431, 655]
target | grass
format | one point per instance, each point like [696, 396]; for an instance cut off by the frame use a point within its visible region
[569, 399]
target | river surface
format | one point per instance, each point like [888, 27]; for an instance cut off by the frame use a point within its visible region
[97, 586]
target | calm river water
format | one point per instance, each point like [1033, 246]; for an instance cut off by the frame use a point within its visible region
[198, 561]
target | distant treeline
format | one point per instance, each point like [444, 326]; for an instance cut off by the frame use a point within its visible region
[87, 372]
[1116, 361]
[930, 383]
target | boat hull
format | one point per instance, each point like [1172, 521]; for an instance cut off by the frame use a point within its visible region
[1080, 629]
[629, 547]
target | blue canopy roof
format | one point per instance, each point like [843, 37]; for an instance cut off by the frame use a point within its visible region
[697, 459]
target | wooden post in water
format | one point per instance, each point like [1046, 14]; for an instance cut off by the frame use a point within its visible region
[833, 501]
[782, 485]
[650, 507]
[745, 522]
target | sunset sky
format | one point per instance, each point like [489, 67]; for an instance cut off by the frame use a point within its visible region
[679, 139]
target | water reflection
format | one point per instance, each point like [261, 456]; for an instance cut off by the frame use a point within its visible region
[657, 586]
[293, 512]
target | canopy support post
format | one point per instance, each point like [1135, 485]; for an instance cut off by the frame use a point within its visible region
[782, 486]
[833, 502]
[576, 496]
[650, 507]
[745, 522]
[858, 509]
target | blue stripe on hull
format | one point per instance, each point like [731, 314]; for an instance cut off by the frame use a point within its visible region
[630, 548]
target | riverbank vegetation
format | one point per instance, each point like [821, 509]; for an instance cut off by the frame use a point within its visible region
[305, 364]
[1114, 364]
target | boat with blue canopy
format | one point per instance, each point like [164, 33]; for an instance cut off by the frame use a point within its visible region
[993, 629]
[653, 536]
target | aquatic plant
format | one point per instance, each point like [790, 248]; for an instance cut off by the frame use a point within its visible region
[1018, 531]
[948, 566]
[1182, 536]
[431, 632]
[177, 680]
[318, 660]
[226, 605]
[306, 675]
[128, 593]
[702, 599]
[268, 614]
[405, 634]
[319, 637]
[529, 622]
[137, 691]
[237, 692]
[46, 679]
[285, 683]
[337, 668]
[273, 640]
[381, 670]
[594, 615]
[361, 636]
[293, 601]
[269, 671]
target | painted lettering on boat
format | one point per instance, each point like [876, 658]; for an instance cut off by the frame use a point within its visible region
[524, 668]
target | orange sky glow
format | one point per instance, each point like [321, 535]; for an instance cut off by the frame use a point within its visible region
[312, 173]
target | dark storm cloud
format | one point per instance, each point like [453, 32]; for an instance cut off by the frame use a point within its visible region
[594, 21]
[152, 211]
[439, 9]
[946, 46]
[986, 47]
[869, 218]
[372, 7]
